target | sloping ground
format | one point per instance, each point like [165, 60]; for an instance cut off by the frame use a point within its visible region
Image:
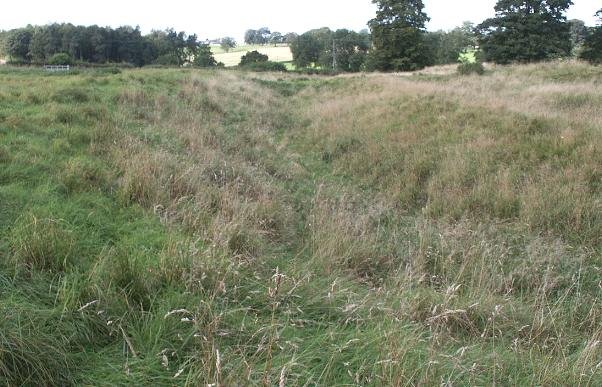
[164, 227]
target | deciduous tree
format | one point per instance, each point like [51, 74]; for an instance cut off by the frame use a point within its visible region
[253, 57]
[592, 46]
[17, 44]
[203, 57]
[276, 38]
[227, 43]
[306, 48]
[398, 36]
[263, 35]
[526, 31]
[250, 36]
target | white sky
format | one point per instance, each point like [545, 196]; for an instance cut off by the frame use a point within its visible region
[213, 19]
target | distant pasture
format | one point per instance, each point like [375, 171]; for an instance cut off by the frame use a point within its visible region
[232, 58]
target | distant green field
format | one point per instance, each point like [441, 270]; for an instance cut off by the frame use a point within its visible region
[232, 58]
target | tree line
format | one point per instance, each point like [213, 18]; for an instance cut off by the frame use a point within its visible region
[350, 51]
[264, 36]
[94, 44]
[340, 50]
[521, 31]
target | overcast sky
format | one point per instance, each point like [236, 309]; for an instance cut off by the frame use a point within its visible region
[213, 19]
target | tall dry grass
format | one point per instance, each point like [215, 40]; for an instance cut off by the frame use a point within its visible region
[231, 229]
[519, 144]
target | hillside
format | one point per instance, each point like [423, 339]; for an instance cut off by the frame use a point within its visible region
[188, 227]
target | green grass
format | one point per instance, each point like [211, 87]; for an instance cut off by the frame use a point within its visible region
[185, 227]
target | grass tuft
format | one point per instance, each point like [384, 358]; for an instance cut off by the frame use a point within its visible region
[84, 174]
[71, 95]
[40, 243]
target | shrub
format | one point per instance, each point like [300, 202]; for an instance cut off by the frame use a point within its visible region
[266, 66]
[17, 62]
[253, 57]
[592, 48]
[108, 65]
[471, 68]
[317, 71]
[107, 70]
[167, 60]
[60, 59]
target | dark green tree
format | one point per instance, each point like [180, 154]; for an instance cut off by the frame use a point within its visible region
[344, 50]
[526, 31]
[251, 36]
[165, 50]
[306, 49]
[38, 44]
[60, 59]
[128, 42]
[398, 36]
[99, 44]
[253, 57]
[341, 50]
[592, 46]
[17, 44]
[203, 57]
[177, 46]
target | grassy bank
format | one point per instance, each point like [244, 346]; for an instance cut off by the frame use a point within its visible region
[183, 227]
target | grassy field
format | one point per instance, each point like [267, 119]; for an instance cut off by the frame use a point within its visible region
[232, 58]
[188, 227]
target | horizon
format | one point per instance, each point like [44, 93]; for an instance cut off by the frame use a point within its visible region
[444, 16]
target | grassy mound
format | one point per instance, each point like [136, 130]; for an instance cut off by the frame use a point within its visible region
[189, 227]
